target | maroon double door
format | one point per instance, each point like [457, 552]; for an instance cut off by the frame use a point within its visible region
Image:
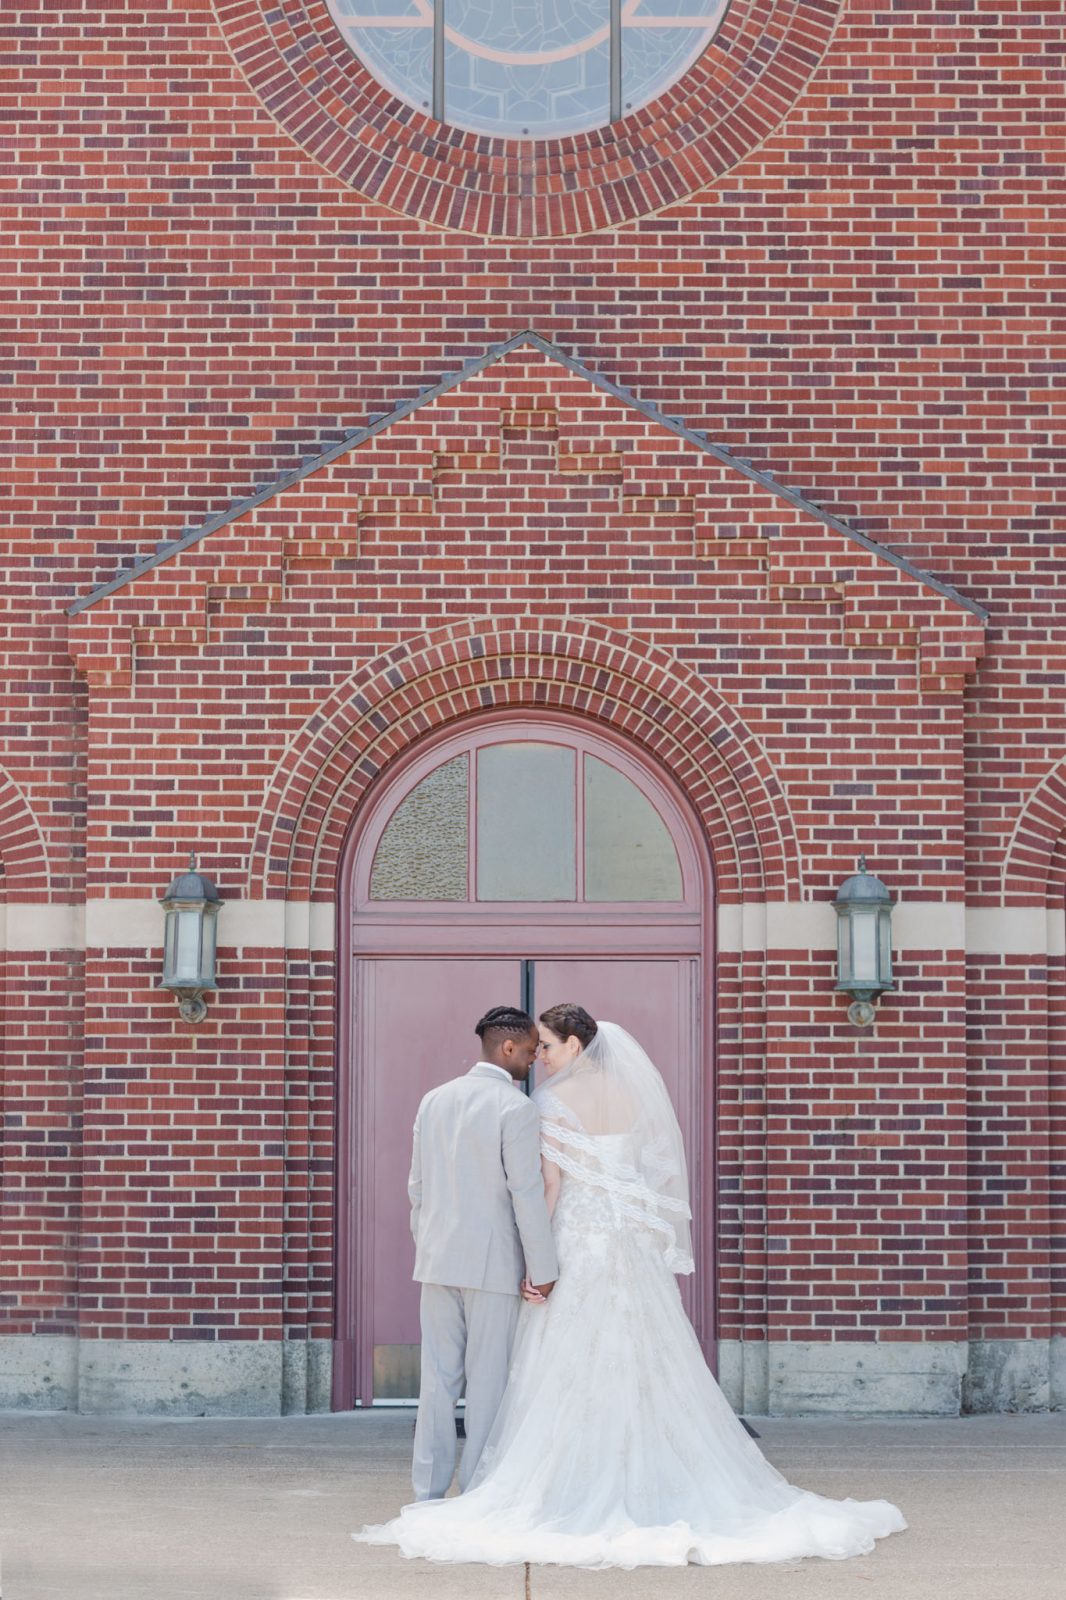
[437, 935]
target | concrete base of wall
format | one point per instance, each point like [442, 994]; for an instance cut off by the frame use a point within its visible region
[159, 1378]
[150, 1377]
[38, 1373]
[1057, 1373]
[1013, 1375]
[743, 1374]
[916, 1379]
[137, 1377]
[306, 1377]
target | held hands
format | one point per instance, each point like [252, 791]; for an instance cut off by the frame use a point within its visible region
[535, 1293]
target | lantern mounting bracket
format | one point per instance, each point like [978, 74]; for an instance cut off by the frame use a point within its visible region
[191, 1005]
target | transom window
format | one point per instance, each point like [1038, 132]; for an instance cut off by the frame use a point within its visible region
[533, 820]
[533, 69]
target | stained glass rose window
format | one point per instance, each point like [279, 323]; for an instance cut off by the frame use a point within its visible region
[532, 69]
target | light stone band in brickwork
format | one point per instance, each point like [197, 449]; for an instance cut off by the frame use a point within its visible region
[916, 925]
[138, 925]
[306, 925]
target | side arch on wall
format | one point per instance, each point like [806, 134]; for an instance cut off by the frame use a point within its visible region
[23, 856]
[582, 668]
[1032, 869]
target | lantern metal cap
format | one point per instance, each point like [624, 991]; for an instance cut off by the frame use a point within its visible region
[863, 889]
[192, 885]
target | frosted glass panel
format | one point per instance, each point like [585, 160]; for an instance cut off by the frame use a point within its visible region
[629, 854]
[422, 854]
[187, 964]
[526, 823]
[864, 946]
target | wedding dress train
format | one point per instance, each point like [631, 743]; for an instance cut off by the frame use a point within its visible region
[614, 1446]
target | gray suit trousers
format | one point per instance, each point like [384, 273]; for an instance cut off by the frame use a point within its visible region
[466, 1333]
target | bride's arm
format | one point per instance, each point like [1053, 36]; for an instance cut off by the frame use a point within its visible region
[552, 1172]
[552, 1179]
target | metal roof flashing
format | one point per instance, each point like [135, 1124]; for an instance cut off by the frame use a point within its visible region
[676, 425]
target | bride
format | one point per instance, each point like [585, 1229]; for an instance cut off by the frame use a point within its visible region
[614, 1446]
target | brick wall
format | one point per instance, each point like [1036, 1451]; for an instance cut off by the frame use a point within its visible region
[864, 305]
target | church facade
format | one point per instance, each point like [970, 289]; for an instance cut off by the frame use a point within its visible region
[528, 515]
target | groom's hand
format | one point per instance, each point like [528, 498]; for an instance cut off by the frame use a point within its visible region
[532, 1294]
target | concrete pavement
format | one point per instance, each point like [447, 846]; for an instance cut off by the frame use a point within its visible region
[98, 1508]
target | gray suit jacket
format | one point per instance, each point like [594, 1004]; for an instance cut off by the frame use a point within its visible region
[478, 1213]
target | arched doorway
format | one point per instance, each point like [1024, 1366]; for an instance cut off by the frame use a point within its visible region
[519, 860]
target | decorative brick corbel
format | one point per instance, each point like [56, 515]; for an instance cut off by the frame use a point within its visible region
[102, 650]
[949, 651]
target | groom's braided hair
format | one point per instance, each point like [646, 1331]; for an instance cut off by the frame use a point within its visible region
[503, 1022]
[567, 1019]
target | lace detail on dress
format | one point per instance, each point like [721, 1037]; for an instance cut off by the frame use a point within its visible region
[600, 1160]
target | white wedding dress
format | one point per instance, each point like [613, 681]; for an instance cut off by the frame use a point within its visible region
[614, 1446]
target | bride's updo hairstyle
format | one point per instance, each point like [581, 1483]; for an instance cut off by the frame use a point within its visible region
[568, 1020]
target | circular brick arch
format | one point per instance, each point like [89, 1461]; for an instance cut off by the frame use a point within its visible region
[729, 101]
[1032, 869]
[583, 669]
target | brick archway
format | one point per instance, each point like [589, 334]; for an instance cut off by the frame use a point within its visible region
[23, 857]
[578, 667]
[1032, 868]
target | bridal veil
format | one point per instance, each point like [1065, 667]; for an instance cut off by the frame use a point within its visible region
[607, 1119]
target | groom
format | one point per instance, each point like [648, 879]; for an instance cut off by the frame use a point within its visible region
[480, 1225]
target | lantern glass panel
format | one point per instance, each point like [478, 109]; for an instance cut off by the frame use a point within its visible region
[207, 953]
[844, 948]
[187, 952]
[885, 920]
[864, 946]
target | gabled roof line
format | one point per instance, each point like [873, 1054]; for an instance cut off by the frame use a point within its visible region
[451, 380]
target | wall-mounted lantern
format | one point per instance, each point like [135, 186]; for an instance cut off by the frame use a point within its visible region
[864, 943]
[191, 905]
